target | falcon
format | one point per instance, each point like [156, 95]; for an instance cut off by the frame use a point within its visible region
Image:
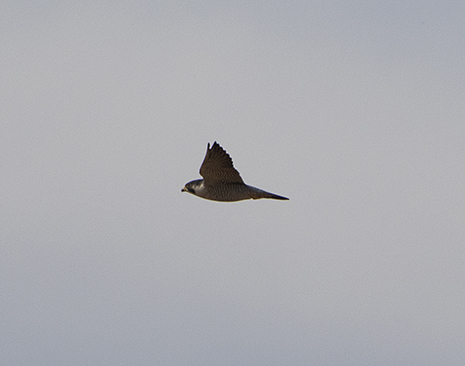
[222, 182]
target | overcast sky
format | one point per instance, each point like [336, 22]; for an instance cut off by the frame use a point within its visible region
[353, 109]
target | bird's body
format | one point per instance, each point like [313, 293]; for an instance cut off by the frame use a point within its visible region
[222, 182]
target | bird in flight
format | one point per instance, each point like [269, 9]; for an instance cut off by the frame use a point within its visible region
[221, 182]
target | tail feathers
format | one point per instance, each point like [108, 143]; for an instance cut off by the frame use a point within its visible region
[258, 193]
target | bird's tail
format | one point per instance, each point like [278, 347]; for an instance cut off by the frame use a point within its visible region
[258, 193]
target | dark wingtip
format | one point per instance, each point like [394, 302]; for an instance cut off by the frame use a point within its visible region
[278, 197]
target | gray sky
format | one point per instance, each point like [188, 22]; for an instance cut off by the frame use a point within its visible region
[353, 109]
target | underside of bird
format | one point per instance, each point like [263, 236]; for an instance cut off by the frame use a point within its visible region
[230, 192]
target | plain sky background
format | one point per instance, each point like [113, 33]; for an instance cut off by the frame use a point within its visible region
[353, 109]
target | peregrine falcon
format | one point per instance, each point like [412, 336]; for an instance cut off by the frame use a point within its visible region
[221, 182]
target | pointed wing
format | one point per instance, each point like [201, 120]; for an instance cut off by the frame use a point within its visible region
[217, 167]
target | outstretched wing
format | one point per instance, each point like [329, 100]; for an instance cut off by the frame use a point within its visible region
[217, 167]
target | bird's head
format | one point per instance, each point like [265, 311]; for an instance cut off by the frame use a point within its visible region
[192, 186]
